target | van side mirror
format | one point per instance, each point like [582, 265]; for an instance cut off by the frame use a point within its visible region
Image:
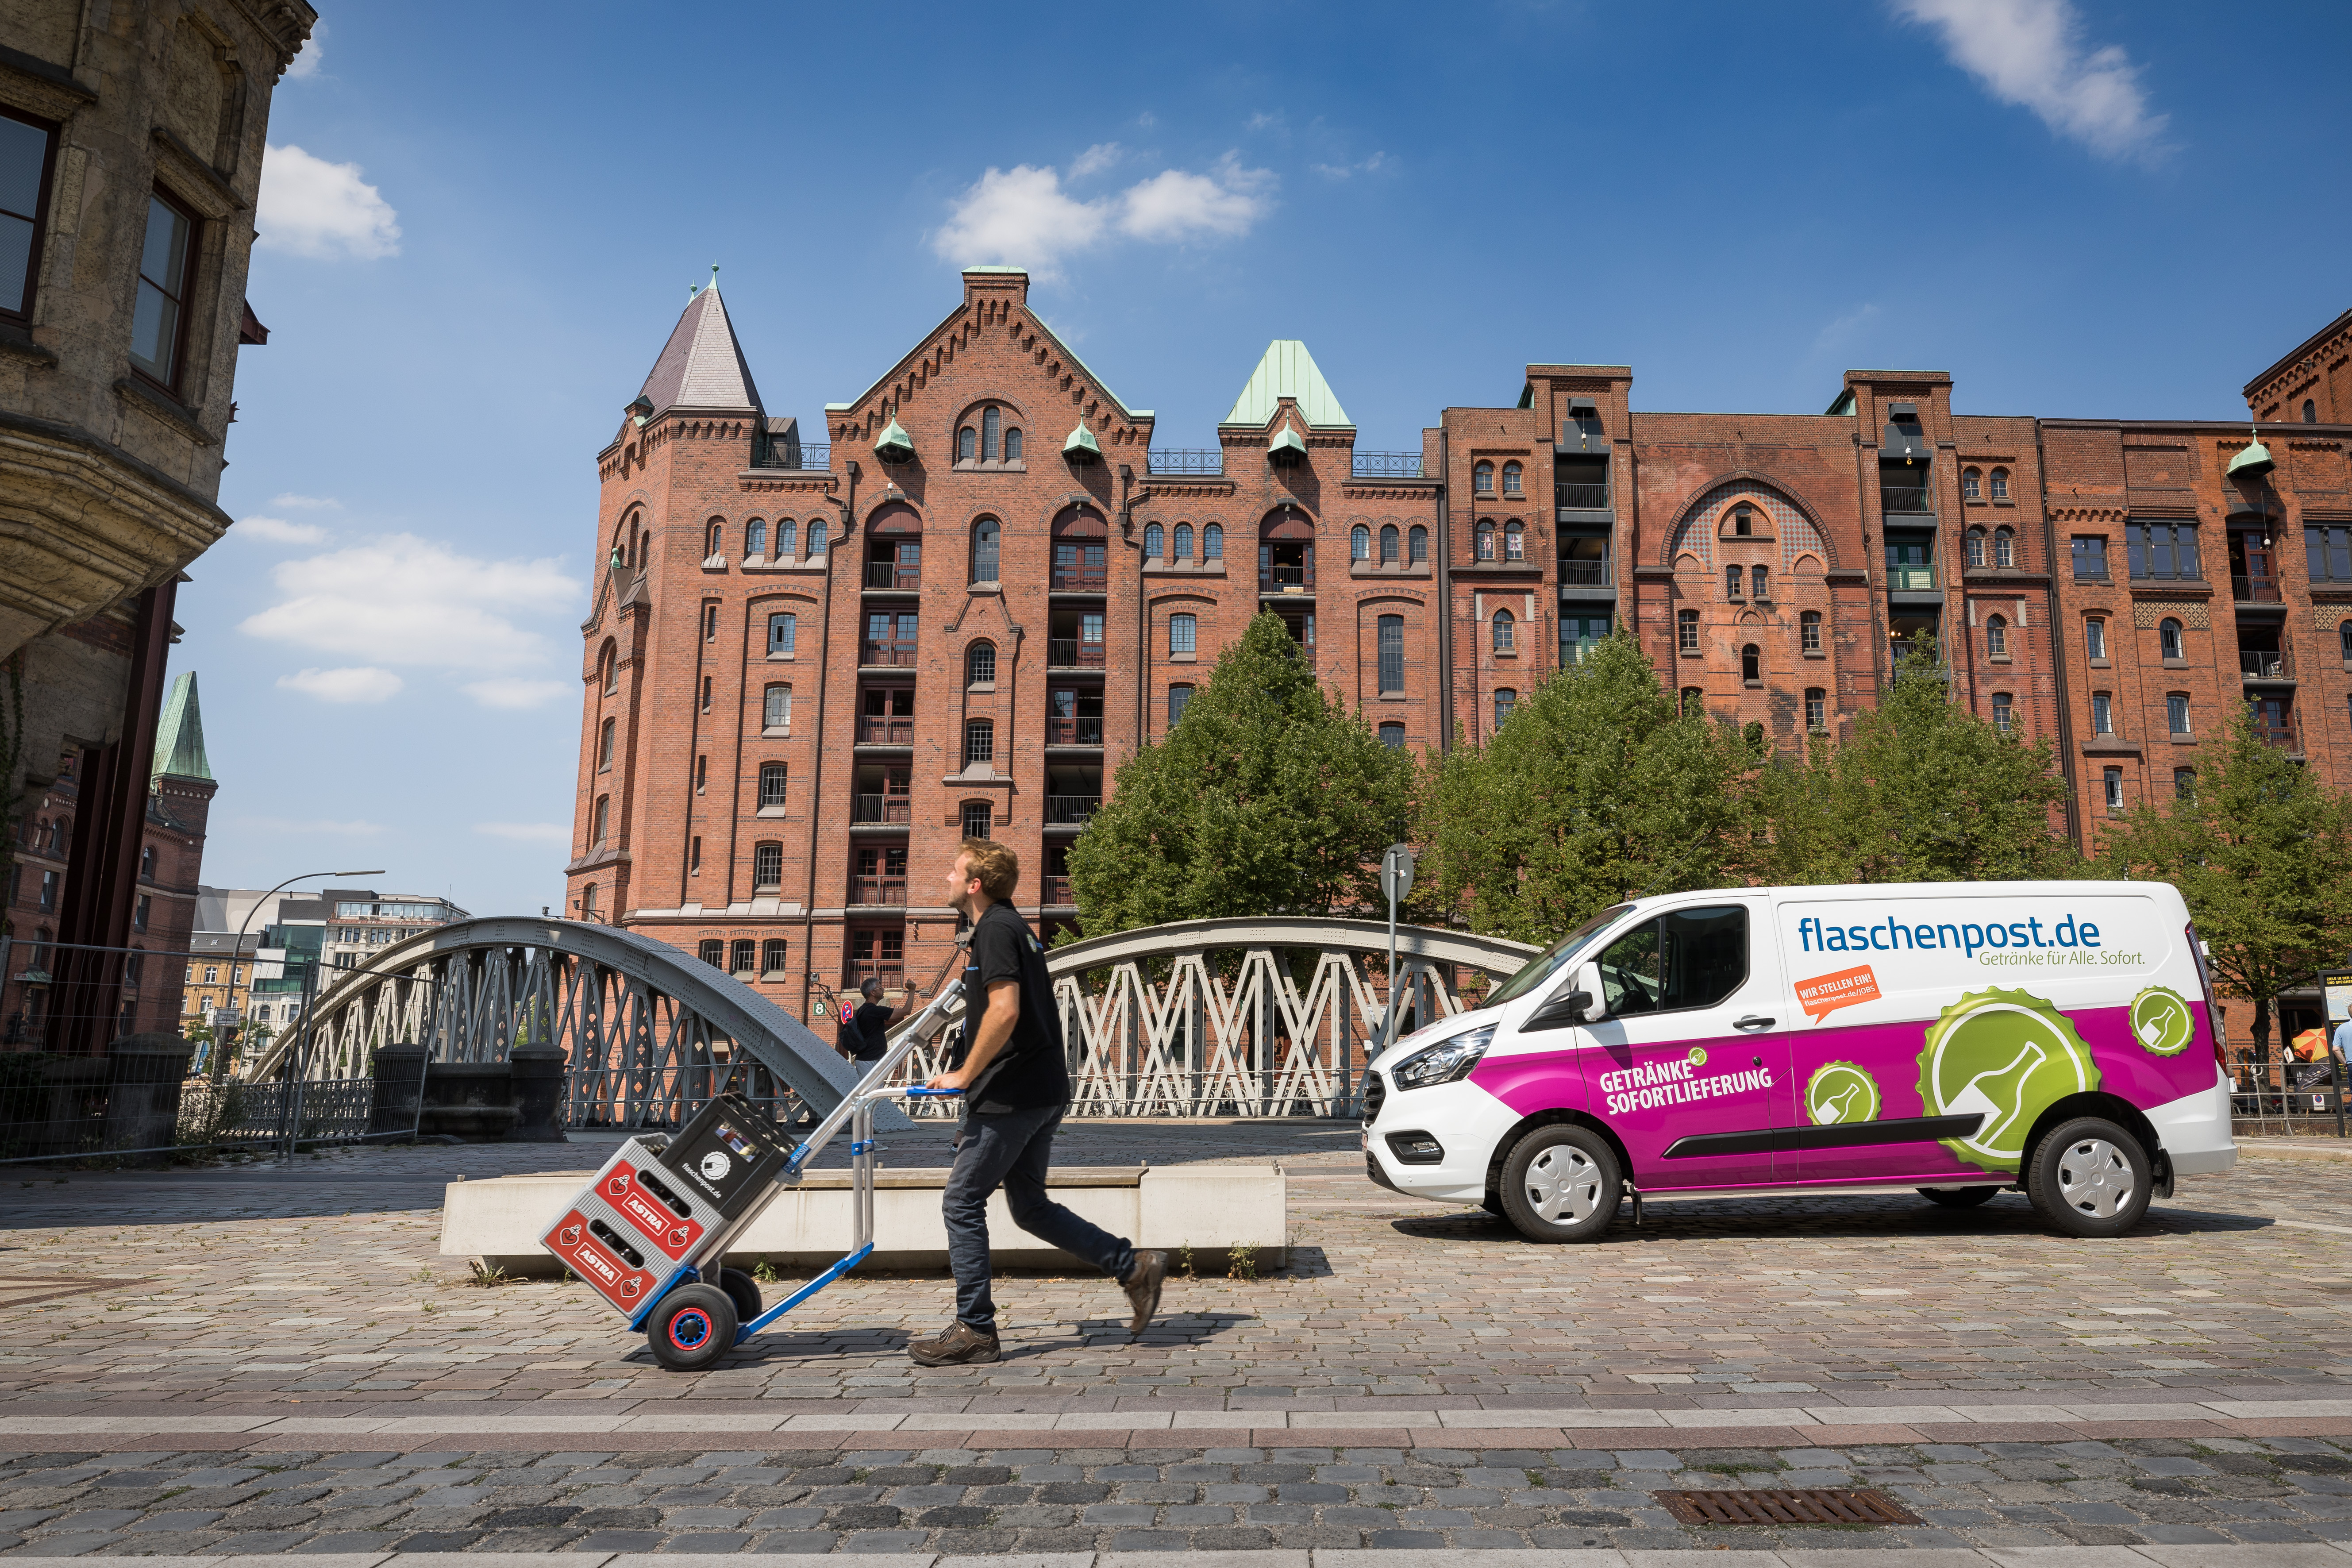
[1579, 1003]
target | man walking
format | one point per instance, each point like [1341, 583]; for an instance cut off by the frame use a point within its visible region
[871, 1022]
[1016, 1087]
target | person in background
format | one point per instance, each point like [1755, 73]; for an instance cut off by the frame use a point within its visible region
[1015, 1082]
[874, 1019]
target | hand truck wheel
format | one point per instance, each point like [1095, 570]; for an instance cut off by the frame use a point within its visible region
[744, 1290]
[691, 1328]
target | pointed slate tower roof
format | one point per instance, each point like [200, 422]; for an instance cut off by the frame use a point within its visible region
[702, 365]
[180, 735]
[1287, 370]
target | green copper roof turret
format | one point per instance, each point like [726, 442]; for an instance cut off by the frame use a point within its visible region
[2252, 463]
[1082, 446]
[894, 444]
[180, 736]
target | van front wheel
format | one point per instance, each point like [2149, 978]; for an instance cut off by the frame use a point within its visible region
[1561, 1184]
[2089, 1177]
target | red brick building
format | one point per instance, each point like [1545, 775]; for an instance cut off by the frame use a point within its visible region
[811, 667]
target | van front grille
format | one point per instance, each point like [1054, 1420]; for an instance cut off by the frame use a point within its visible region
[1376, 1091]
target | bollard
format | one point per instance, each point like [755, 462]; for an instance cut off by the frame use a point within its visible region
[537, 1073]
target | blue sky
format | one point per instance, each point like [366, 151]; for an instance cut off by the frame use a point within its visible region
[479, 223]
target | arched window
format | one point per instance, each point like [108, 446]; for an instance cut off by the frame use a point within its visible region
[2168, 638]
[1417, 542]
[1976, 546]
[1751, 665]
[2000, 484]
[588, 902]
[1694, 703]
[1505, 699]
[1732, 576]
[1393, 736]
[2004, 547]
[1483, 479]
[755, 538]
[991, 424]
[604, 746]
[1686, 631]
[984, 536]
[1178, 699]
[1388, 543]
[1809, 631]
[773, 780]
[1743, 522]
[1515, 541]
[714, 952]
[1486, 541]
[611, 672]
[1972, 485]
[967, 443]
[1181, 632]
[1212, 541]
[817, 538]
[1997, 638]
[2003, 712]
[1760, 582]
[1012, 444]
[718, 538]
[980, 664]
[1511, 479]
[1183, 541]
[767, 867]
[601, 820]
[2310, 412]
[147, 862]
[1359, 543]
[1153, 538]
[2094, 638]
[776, 707]
[1507, 632]
[979, 741]
[1817, 708]
[773, 953]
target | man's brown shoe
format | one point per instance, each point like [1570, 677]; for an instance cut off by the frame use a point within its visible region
[1142, 1288]
[962, 1345]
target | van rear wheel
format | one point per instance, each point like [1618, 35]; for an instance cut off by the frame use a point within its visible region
[2090, 1178]
[1959, 1198]
[1561, 1184]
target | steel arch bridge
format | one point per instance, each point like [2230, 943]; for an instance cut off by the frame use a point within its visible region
[1226, 1017]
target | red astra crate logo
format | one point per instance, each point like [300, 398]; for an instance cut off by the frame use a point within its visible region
[673, 1234]
[613, 1279]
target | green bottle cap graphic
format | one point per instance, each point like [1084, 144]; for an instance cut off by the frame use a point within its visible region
[1840, 1092]
[2161, 1021]
[2004, 1056]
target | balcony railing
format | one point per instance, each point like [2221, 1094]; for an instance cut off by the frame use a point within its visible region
[1055, 892]
[2266, 663]
[1576, 650]
[900, 654]
[1069, 810]
[2250, 590]
[1910, 578]
[1580, 498]
[1280, 579]
[1074, 653]
[1188, 460]
[1386, 465]
[1912, 498]
[890, 574]
[2278, 731]
[1062, 731]
[858, 970]
[873, 730]
[883, 810]
[874, 890]
[1078, 580]
[768, 452]
[1587, 573]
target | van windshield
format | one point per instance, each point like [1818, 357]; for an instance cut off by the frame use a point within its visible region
[1555, 958]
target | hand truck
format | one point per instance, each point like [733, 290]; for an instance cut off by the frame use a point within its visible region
[650, 1232]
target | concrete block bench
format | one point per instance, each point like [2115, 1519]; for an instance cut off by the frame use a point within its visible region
[498, 1223]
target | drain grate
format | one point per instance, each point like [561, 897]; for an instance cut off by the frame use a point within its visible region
[1818, 1505]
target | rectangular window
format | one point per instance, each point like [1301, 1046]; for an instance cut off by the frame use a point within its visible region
[777, 709]
[2091, 556]
[772, 958]
[767, 866]
[157, 318]
[1817, 707]
[773, 780]
[978, 819]
[2162, 549]
[2176, 712]
[1178, 699]
[2328, 552]
[746, 953]
[139, 911]
[979, 741]
[49, 890]
[1391, 640]
[2113, 780]
[2003, 712]
[782, 632]
[1181, 630]
[24, 149]
[709, 623]
[1686, 631]
[714, 952]
[1762, 585]
[2094, 637]
[2103, 713]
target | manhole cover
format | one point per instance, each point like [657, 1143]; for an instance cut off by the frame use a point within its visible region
[1813, 1504]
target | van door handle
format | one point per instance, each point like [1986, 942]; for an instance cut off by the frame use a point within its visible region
[1753, 1021]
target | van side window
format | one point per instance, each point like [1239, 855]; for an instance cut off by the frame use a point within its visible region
[1685, 958]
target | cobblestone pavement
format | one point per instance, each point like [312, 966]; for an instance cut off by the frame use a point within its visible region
[267, 1359]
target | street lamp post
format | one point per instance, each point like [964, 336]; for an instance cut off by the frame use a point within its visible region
[220, 1057]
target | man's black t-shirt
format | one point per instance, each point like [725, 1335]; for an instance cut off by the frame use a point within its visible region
[1029, 1071]
[873, 1031]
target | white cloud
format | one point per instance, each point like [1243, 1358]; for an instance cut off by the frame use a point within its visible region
[1096, 159]
[1371, 165]
[311, 208]
[2031, 53]
[306, 64]
[1262, 120]
[277, 531]
[290, 500]
[358, 827]
[515, 691]
[527, 832]
[360, 684]
[1845, 328]
[400, 599]
[1022, 216]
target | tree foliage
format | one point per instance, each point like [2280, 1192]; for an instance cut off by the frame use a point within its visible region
[1594, 790]
[1925, 791]
[1268, 798]
[2263, 856]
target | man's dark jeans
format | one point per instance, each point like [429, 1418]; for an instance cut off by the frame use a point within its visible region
[1012, 1148]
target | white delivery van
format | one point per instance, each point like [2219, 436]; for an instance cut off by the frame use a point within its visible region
[1952, 1038]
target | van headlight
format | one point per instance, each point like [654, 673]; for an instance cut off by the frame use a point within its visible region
[1442, 1062]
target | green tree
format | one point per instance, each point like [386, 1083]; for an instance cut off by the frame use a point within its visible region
[1268, 798]
[1924, 791]
[1596, 790]
[2263, 856]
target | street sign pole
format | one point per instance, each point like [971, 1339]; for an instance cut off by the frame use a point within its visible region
[1396, 881]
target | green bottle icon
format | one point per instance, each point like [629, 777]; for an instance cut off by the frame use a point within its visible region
[1848, 1105]
[1998, 1095]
